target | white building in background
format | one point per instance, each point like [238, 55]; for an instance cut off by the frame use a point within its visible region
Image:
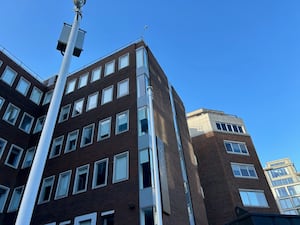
[284, 181]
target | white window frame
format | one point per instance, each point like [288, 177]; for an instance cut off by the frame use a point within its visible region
[58, 140]
[93, 96]
[81, 170]
[33, 98]
[76, 132]
[39, 124]
[122, 82]
[94, 185]
[48, 97]
[90, 216]
[15, 118]
[70, 87]
[2, 100]
[65, 194]
[104, 121]
[118, 122]
[29, 156]
[82, 144]
[80, 103]
[107, 95]
[123, 61]
[12, 79]
[249, 199]
[83, 80]
[96, 74]
[115, 169]
[247, 167]
[15, 200]
[109, 68]
[4, 198]
[63, 112]
[27, 86]
[42, 191]
[19, 156]
[3, 147]
[232, 147]
[30, 125]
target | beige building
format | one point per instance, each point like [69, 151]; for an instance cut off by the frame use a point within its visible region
[285, 184]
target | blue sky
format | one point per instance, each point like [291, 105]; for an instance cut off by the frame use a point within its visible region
[238, 56]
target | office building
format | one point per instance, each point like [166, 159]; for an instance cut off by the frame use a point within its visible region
[229, 168]
[284, 181]
[120, 153]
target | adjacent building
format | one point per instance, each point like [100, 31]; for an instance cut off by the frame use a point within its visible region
[121, 151]
[229, 168]
[284, 181]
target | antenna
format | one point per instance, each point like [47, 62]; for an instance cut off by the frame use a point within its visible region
[144, 30]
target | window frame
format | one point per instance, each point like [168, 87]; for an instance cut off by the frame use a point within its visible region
[94, 76]
[232, 143]
[2, 100]
[3, 147]
[47, 97]
[120, 61]
[13, 198]
[91, 107]
[17, 114]
[68, 108]
[102, 137]
[85, 169]
[92, 126]
[125, 81]
[33, 98]
[67, 173]
[70, 87]
[249, 199]
[117, 157]
[79, 101]
[19, 156]
[241, 166]
[39, 124]
[94, 183]
[83, 80]
[11, 81]
[109, 68]
[90, 216]
[28, 130]
[68, 140]
[117, 130]
[107, 95]
[60, 141]
[7, 190]
[42, 190]
[29, 151]
[26, 82]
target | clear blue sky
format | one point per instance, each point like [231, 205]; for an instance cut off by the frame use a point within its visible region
[238, 56]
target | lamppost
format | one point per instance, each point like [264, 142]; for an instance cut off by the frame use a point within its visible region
[35, 176]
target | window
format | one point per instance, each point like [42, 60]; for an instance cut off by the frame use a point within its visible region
[243, 170]
[36, 95]
[108, 217]
[47, 97]
[236, 147]
[148, 216]
[281, 192]
[142, 84]
[296, 201]
[70, 86]
[88, 219]
[100, 173]
[28, 157]
[23, 86]
[9, 75]
[278, 172]
[92, 101]
[46, 190]
[62, 189]
[1, 102]
[15, 199]
[294, 190]
[123, 88]
[142, 121]
[285, 203]
[284, 181]
[87, 135]
[104, 129]
[39, 124]
[26, 123]
[96, 74]
[78, 107]
[14, 156]
[253, 198]
[122, 122]
[11, 114]
[109, 68]
[71, 141]
[230, 127]
[107, 95]
[145, 169]
[81, 179]
[3, 196]
[56, 146]
[2, 146]
[64, 113]
[83, 80]
[120, 167]
[141, 57]
[124, 61]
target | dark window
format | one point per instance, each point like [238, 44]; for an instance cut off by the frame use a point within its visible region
[149, 220]
[146, 174]
[218, 126]
[224, 126]
[108, 220]
[101, 173]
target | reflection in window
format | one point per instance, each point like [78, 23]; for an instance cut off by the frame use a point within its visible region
[123, 88]
[36, 95]
[9, 75]
[92, 101]
[64, 113]
[15, 199]
[96, 74]
[14, 156]
[142, 121]
[109, 68]
[23, 86]
[121, 167]
[122, 122]
[124, 61]
[104, 129]
[70, 86]
[28, 157]
[46, 190]
[63, 185]
[26, 123]
[87, 135]
[78, 107]
[100, 173]
[253, 198]
[83, 80]
[56, 146]
[81, 179]
[107, 95]
[11, 114]
[71, 141]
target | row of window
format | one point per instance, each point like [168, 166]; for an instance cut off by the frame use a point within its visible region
[290, 203]
[109, 69]
[253, 198]
[243, 170]
[274, 173]
[283, 181]
[87, 136]
[92, 100]
[235, 147]
[288, 191]
[23, 86]
[230, 127]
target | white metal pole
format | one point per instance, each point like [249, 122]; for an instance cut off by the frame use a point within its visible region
[31, 189]
[158, 204]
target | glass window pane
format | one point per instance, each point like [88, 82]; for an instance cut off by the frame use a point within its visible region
[123, 88]
[96, 74]
[78, 107]
[92, 101]
[63, 185]
[124, 61]
[26, 123]
[83, 81]
[47, 97]
[70, 86]
[28, 158]
[122, 122]
[23, 86]
[109, 68]
[36, 95]
[2, 146]
[64, 113]
[1, 102]
[87, 135]
[39, 124]
[71, 141]
[3, 196]
[107, 95]
[104, 129]
[9, 75]
[14, 156]
[11, 114]
[15, 199]
[120, 167]
[100, 173]
[56, 146]
[46, 189]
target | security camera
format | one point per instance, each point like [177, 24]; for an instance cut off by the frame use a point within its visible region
[79, 3]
